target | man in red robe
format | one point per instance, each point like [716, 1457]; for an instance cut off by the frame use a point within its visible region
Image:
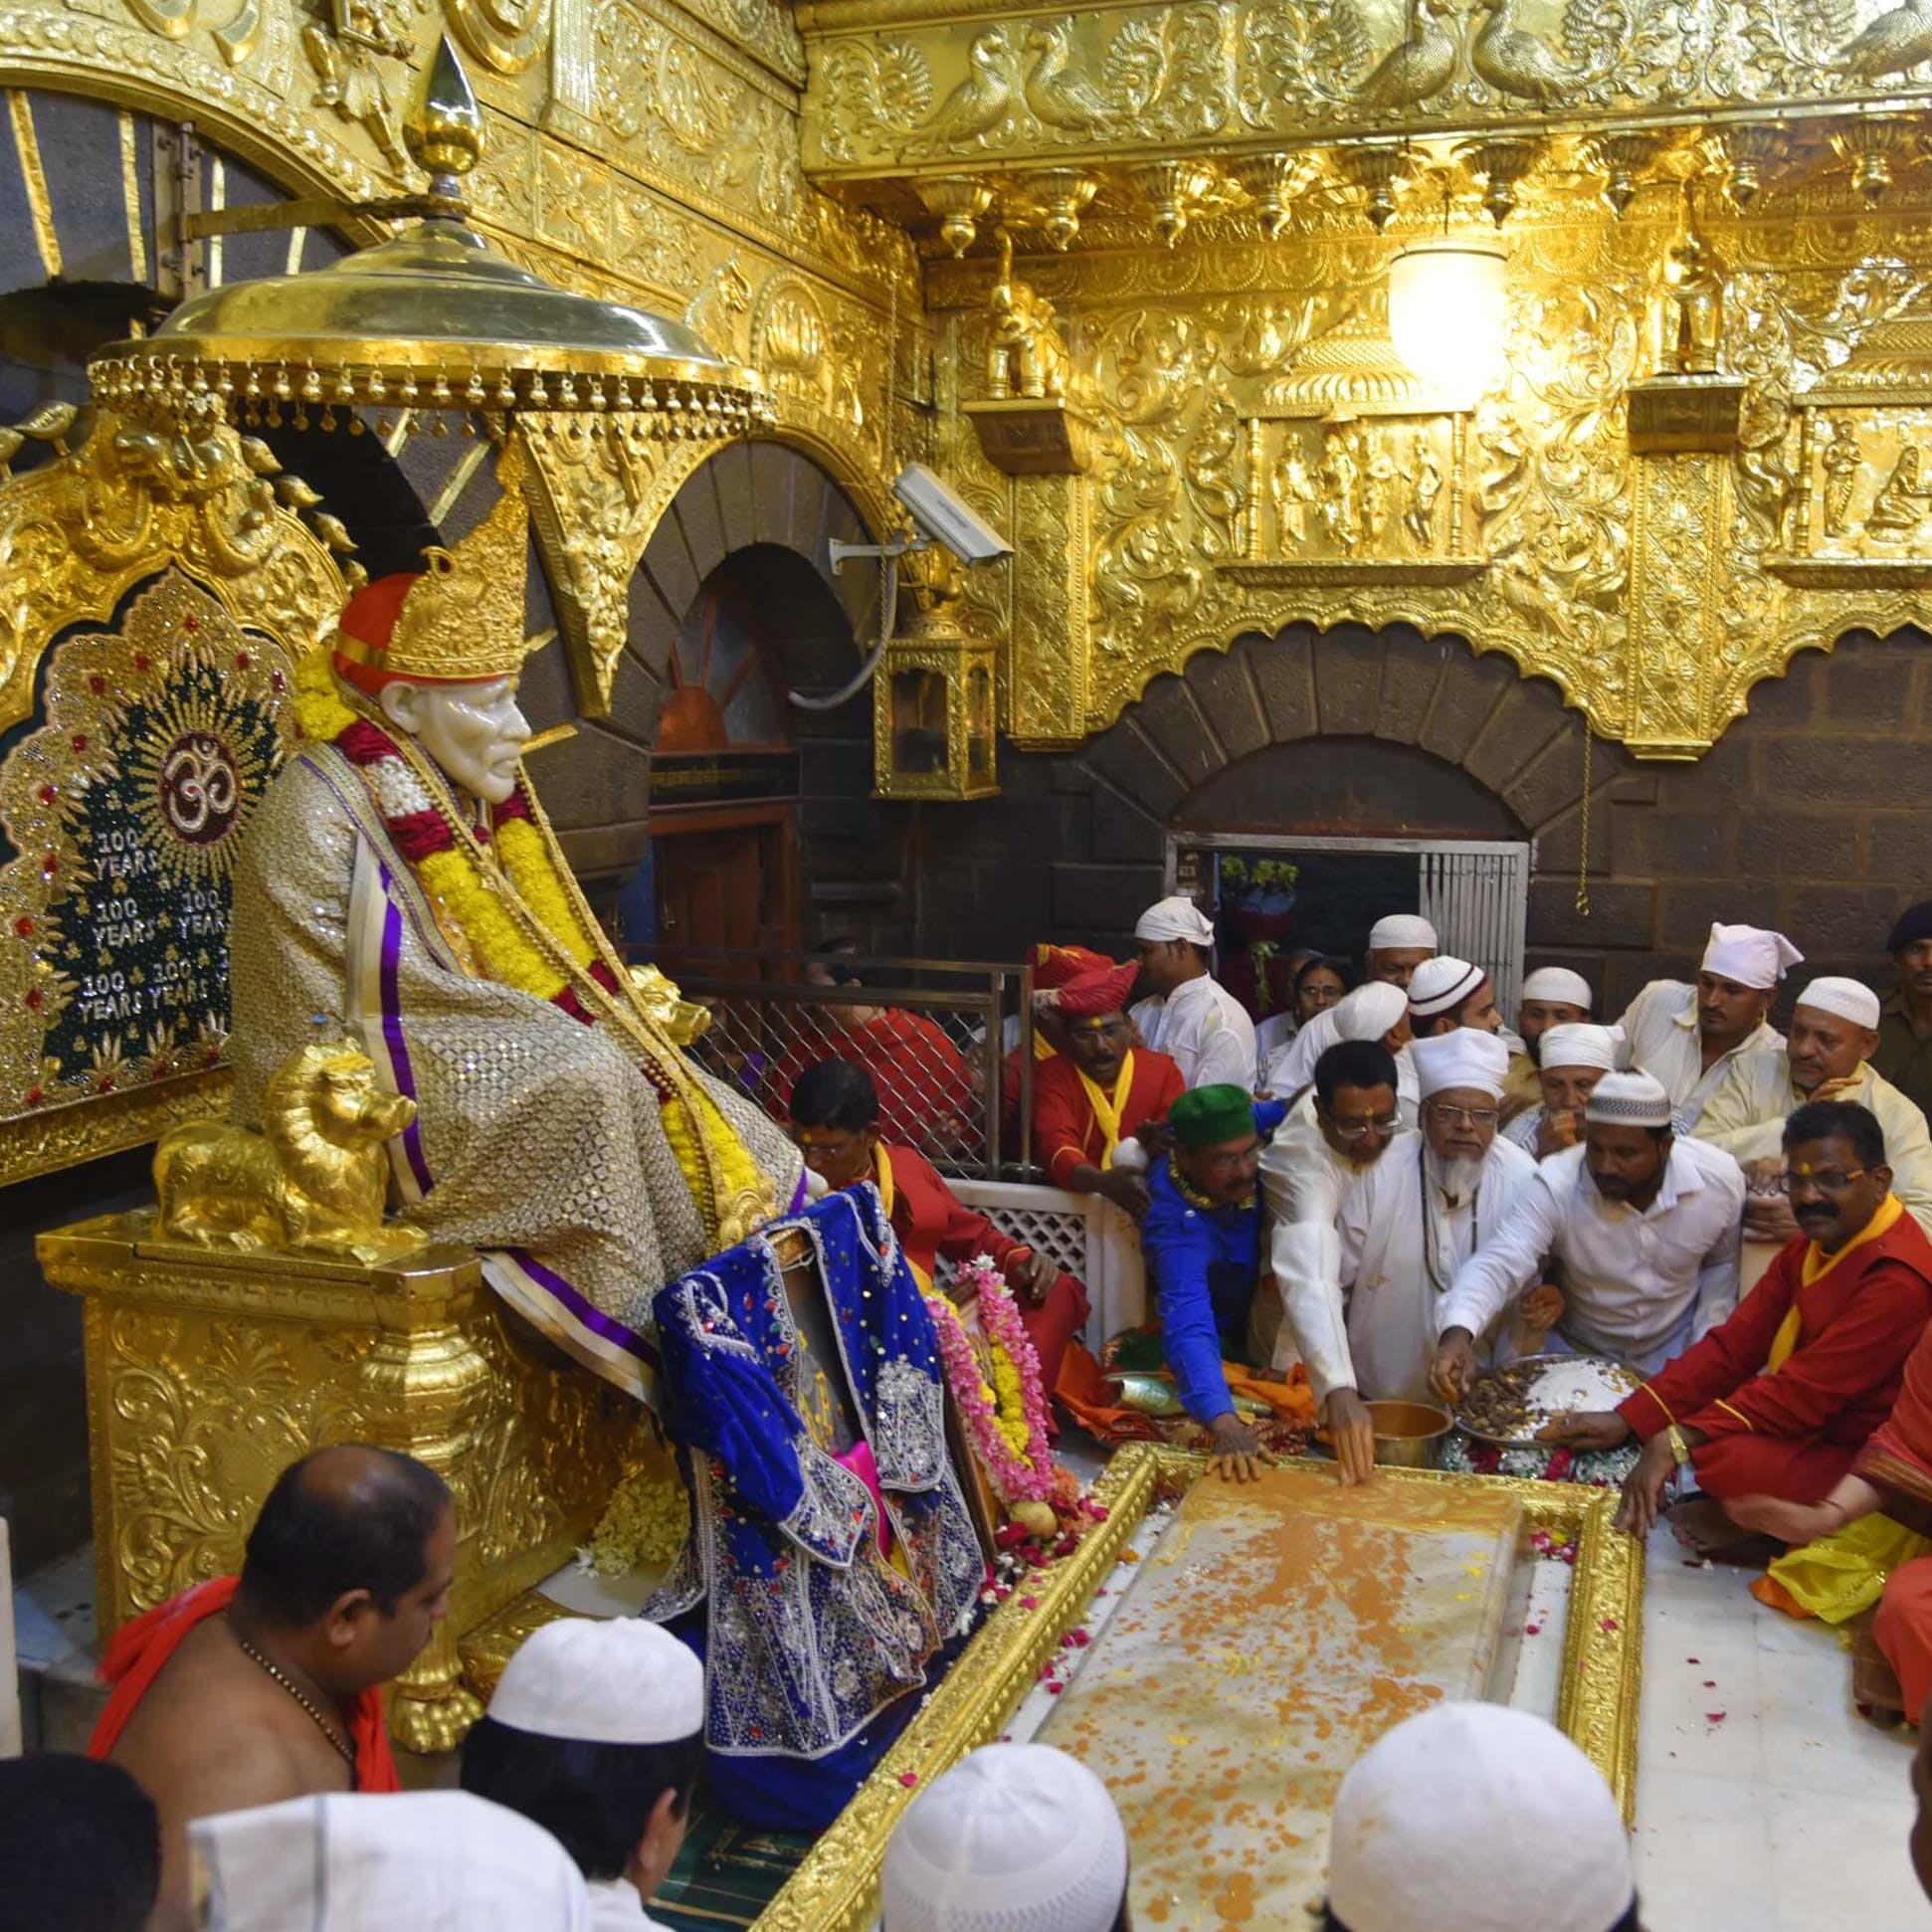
[836, 1122]
[1780, 1399]
[1102, 1092]
[1053, 967]
[246, 1691]
[926, 1096]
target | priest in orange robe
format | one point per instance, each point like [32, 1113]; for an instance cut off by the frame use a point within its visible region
[1102, 1092]
[1780, 1399]
[245, 1691]
[925, 1089]
[836, 1122]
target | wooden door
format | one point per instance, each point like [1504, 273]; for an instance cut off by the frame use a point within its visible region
[723, 890]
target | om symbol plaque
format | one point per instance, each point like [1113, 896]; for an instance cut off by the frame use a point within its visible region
[124, 811]
[198, 791]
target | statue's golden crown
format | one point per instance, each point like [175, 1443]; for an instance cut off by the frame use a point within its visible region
[460, 619]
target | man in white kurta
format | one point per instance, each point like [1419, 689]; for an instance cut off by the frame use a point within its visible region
[1376, 1011]
[1430, 1203]
[1553, 996]
[1192, 1019]
[1399, 942]
[1688, 1037]
[1573, 1060]
[1833, 1027]
[1643, 1225]
[596, 1732]
[1334, 1135]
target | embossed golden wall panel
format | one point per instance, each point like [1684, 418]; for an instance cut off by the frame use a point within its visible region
[1262, 457]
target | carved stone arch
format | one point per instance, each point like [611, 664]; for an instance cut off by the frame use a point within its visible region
[784, 495]
[1510, 736]
[87, 175]
[114, 64]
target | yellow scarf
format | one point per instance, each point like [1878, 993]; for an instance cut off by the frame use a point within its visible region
[1107, 1109]
[1818, 1265]
[889, 1198]
[1042, 1048]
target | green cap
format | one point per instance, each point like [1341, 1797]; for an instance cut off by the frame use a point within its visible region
[1205, 1116]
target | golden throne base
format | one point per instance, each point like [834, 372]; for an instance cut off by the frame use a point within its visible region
[209, 1370]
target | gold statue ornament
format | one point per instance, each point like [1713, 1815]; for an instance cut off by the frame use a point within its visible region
[316, 1175]
[1696, 317]
[1025, 355]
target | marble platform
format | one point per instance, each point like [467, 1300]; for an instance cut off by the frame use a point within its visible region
[1764, 1801]
[1273, 1631]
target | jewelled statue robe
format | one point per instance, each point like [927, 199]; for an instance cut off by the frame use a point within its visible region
[537, 1139]
[812, 1631]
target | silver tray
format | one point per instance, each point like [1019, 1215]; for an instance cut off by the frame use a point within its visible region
[1536, 1362]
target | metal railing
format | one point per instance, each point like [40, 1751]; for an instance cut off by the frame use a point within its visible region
[936, 1036]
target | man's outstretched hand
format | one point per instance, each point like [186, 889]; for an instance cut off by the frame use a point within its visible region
[1351, 1434]
[1237, 1451]
[1453, 1373]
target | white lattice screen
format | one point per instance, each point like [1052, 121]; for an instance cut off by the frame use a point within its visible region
[1088, 1236]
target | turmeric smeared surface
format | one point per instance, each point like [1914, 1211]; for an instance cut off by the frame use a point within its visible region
[1280, 1628]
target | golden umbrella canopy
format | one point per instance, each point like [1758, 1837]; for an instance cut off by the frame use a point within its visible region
[432, 320]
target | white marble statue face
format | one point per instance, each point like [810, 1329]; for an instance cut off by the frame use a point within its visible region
[475, 732]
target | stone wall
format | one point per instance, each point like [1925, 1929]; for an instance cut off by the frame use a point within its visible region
[1812, 814]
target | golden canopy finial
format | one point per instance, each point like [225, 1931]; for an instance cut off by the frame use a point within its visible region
[444, 129]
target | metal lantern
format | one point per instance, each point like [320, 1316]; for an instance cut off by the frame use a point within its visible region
[934, 698]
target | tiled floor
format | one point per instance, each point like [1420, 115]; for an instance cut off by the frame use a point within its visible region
[1790, 1811]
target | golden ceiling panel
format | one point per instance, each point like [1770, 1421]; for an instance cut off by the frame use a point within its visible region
[907, 86]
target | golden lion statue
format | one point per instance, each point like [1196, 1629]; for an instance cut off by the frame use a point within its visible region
[316, 1177]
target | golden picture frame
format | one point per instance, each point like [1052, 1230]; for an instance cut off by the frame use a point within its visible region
[836, 1887]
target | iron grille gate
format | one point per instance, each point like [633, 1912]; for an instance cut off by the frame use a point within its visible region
[1474, 893]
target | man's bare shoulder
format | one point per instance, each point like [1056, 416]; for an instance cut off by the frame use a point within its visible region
[215, 1734]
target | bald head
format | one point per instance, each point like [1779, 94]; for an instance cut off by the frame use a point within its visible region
[347, 1519]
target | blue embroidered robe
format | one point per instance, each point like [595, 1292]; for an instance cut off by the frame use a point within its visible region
[812, 1632]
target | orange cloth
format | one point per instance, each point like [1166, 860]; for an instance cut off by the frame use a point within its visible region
[1065, 1133]
[139, 1652]
[1094, 1402]
[1903, 1630]
[925, 1089]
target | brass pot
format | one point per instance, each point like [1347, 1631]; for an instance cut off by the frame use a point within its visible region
[1407, 1433]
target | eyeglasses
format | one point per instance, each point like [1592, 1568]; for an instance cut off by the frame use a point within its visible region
[1828, 1179]
[1382, 1127]
[1464, 1117]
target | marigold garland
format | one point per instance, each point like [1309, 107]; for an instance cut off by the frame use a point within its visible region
[527, 861]
[501, 950]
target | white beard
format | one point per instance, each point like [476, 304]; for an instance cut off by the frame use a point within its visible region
[1459, 1179]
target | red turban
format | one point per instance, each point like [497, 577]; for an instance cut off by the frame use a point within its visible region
[1054, 966]
[367, 622]
[1106, 991]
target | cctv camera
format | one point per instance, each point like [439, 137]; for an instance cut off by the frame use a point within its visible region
[941, 517]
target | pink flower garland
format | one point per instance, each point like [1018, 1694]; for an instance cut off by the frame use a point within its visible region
[1017, 1479]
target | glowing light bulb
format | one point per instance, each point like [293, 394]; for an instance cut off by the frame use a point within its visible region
[1445, 311]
